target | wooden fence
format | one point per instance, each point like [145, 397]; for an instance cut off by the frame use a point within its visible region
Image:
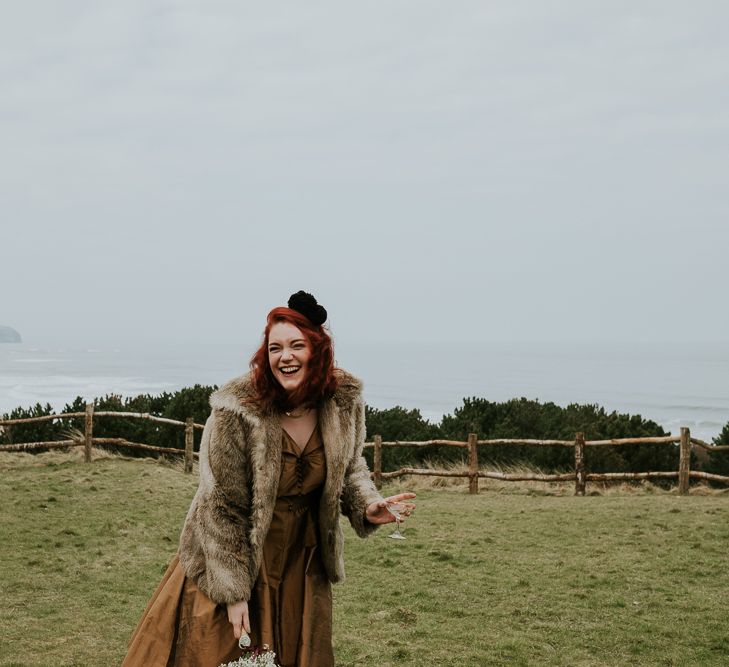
[89, 440]
[579, 474]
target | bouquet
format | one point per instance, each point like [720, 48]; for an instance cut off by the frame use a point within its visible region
[255, 657]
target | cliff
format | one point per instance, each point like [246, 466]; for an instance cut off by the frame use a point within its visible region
[9, 335]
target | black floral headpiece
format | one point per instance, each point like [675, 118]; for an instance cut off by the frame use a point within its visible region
[304, 303]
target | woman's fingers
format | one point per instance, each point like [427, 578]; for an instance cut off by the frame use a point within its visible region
[381, 515]
[246, 620]
[401, 496]
[238, 617]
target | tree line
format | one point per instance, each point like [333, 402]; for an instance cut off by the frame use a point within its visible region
[515, 418]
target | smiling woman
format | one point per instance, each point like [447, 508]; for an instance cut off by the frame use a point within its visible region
[280, 458]
[295, 364]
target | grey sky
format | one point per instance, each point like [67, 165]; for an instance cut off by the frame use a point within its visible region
[470, 170]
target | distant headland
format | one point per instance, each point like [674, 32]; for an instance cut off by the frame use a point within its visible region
[9, 335]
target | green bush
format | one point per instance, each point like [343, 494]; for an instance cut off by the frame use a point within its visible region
[187, 402]
[515, 418]
[531, 419]
[718, 462]
[35, 431]
[399, 423]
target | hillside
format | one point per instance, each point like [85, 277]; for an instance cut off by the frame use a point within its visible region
[9, 335]
[510, 578]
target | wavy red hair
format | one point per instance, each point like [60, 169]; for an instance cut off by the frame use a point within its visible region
[320, 381]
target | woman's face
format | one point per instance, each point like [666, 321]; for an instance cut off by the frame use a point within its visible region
[288, 355]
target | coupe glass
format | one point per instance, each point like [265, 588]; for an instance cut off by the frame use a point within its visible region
[396, 509]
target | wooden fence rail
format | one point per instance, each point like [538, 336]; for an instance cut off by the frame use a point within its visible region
[580, 475]
[98, 413]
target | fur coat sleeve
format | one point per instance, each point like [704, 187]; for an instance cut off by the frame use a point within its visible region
[214, 547]
[359, 490]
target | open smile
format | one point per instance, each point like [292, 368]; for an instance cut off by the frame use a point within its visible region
[289, 370]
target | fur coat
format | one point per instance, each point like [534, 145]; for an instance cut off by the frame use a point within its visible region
[221, 545]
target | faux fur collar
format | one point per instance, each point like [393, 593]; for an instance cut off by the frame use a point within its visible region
[232, 394]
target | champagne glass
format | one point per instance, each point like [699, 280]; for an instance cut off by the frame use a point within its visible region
[396, 509]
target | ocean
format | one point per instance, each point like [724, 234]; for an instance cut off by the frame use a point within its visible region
[675, 384]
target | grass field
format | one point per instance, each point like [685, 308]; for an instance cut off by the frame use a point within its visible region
[518, 575]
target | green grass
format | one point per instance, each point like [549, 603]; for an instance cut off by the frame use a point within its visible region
[513, 576]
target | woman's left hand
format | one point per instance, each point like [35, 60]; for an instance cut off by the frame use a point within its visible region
[377, 512]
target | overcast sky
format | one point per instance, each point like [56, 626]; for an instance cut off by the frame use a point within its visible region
[429, 170]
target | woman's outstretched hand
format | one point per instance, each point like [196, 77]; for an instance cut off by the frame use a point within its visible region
[238, 616]
[377, 512]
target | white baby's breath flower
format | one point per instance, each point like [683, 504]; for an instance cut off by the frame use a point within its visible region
[255, 659]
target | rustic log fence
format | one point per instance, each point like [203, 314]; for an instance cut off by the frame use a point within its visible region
[580, 475]
[88, 435]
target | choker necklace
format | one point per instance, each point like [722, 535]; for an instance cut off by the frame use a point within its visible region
[293, 416]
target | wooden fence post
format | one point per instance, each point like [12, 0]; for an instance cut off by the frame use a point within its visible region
[472, 463]
[189, 442]
[378, 462]
[579, 464]
[684, 462]
[88, 431]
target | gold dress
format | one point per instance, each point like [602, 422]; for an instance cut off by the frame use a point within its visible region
[291, 602]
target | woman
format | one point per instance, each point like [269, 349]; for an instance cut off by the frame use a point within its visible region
[280, 457]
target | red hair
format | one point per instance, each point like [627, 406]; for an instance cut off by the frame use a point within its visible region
[320, 381]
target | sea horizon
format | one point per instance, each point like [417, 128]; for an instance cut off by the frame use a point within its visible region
[673, 383]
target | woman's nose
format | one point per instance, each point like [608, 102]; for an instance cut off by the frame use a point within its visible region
[286, 355]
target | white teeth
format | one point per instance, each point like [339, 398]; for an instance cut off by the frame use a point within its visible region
[290, 369]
